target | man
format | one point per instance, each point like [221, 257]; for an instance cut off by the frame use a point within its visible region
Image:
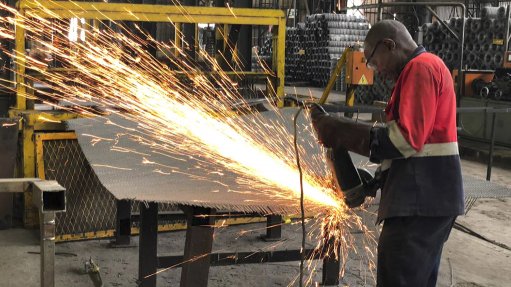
[417, 147]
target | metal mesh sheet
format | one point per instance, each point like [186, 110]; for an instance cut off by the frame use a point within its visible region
[478, 188]
[127, 177]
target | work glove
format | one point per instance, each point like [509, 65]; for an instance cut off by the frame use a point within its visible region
[325, 126]
[335, 131]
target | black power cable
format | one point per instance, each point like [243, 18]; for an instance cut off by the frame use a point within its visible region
[302, 104]
[302, 209]
[471, 232]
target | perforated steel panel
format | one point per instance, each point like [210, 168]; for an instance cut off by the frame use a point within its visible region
[188, 180]
[478, 188]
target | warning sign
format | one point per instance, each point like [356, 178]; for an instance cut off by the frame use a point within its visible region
[363, 80]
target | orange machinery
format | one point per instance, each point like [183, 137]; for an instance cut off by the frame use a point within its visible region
[475, 79]
[357, 74]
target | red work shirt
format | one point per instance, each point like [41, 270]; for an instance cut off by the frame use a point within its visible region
[418, 148]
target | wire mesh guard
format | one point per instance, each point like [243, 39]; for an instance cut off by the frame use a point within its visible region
[90, 207]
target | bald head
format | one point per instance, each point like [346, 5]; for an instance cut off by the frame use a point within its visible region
[387, 48]
[390, 29]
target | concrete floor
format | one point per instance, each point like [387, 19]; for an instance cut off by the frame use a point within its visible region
[467, 261]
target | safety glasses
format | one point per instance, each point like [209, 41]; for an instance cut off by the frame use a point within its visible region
[368, 62]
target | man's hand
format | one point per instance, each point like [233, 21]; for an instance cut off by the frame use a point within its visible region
[335, 131]
[324, 125]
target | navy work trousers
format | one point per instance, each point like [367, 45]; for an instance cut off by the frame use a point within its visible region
[409, 250]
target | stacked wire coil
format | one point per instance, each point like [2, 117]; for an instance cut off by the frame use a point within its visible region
[484, 40]
[296, 69]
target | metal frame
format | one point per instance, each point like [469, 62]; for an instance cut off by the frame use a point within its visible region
[198, 246]
[123, 223]
[250, 257]
[41, 137]
[491, 142]
[273, 228]
[30, 122]
[198, 258]
[149, 13]
[148, 240]
[49, 198]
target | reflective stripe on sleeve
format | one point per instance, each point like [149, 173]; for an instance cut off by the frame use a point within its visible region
[399, 141]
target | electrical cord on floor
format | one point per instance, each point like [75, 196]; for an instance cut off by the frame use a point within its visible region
[302, 209]
[469, 231]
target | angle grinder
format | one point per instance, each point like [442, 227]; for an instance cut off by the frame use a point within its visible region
[354, 183]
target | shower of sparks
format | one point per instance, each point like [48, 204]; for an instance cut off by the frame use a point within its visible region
[180, 110]
[230, 10]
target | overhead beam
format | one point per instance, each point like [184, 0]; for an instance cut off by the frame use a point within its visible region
[151, 13]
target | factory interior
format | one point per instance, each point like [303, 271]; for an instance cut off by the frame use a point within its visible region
[174, 142]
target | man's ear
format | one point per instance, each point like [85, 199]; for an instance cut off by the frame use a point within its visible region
[389, 43]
